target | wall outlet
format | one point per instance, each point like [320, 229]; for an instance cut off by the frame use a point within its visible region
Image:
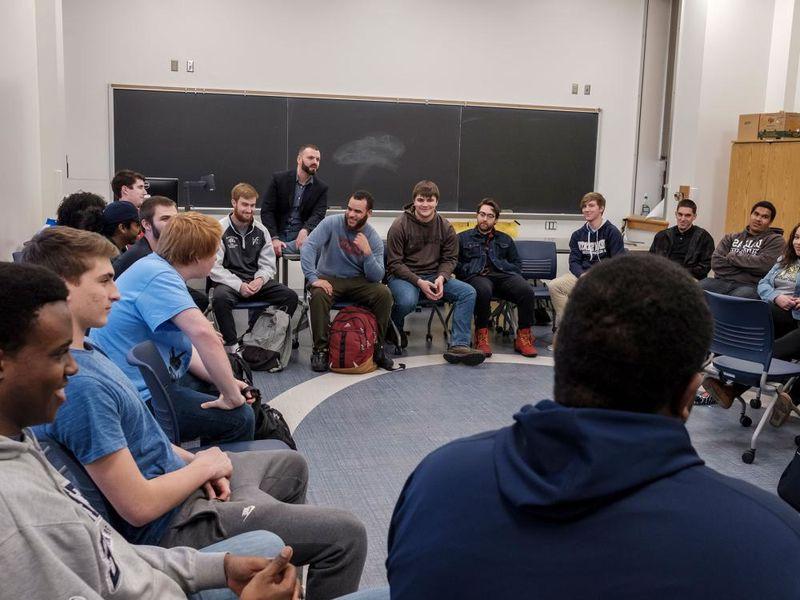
[587, 89]
[190, 66]
[574, 88]
[173, 65]
[550, 225]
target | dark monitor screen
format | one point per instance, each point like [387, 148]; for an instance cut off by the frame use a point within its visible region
[163, 186]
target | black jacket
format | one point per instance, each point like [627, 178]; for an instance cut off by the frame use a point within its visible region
[276, 203]
[472, 258]
[138, 250]
[698, 255]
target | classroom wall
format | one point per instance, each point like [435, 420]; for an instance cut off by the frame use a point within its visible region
[510, 51]
[20, 169]
[721, 72]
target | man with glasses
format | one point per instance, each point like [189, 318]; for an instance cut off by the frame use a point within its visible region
[488, 261]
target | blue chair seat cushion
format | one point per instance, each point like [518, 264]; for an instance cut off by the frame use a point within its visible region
[749, 373]
[251, 305]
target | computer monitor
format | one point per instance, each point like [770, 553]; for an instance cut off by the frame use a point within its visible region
[163, 186]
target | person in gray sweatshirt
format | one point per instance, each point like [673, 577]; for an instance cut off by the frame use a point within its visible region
[53, 544]
[741, 259]
[342, 260]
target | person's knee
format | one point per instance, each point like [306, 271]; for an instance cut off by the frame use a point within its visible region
[294, 464]
[245, 429]
[320, 299]
[383, 296]
[290, 300]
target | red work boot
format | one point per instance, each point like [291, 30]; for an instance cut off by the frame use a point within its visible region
[524, 343]
[482, 341]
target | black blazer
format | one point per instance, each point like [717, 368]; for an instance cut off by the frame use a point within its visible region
[276, 204]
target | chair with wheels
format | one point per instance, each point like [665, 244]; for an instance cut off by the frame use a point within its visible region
[146, 357]
[741, 352]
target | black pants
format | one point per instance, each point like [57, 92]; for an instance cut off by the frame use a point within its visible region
[225, 298]
[729, 287]
[787, 334]
[508, 286]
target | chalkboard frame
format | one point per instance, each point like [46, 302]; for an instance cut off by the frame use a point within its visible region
[400, 100]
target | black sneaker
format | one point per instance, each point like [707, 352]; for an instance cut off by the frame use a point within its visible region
[383, 361]
[541, 316]
[464, 355]
[319, 361]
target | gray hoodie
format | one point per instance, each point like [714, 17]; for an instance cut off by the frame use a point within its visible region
[745, 257]
[54, 545]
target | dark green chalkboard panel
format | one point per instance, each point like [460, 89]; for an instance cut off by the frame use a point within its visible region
[529, 160]
[383, 147]
[187, 135]
[533, 161]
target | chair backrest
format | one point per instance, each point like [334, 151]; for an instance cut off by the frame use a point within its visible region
[146, 357]
[538, 259]
[742, 328]
[65, 463]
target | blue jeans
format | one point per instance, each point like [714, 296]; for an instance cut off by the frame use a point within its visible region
[212, 425]
[253, 543]
[461, 295]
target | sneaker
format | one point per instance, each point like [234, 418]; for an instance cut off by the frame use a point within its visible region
[782, 409]
[722, 393]
[234, 349]
[383, 361]
[464, 355]
[319, 361]
[703, 399]
[482, 341]
[524, 343]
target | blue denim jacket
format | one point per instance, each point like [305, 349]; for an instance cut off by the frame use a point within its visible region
[766, 288]
[472, 258]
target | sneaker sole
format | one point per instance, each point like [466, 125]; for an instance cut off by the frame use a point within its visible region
[518, 351]
[470, 360]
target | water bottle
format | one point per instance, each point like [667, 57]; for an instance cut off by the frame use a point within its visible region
[645, 207]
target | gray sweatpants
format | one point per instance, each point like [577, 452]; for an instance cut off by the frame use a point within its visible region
[267, 492]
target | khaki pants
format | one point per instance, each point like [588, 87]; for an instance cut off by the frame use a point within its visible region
[560, 289]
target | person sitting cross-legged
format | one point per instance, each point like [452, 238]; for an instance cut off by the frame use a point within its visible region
[422, 255]
[165, 494]
[488, 261]
[245, 266]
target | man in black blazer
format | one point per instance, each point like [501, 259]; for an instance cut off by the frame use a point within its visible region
[295, 202]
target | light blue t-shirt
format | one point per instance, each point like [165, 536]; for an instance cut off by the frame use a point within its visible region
[103, 414]
[152, 294]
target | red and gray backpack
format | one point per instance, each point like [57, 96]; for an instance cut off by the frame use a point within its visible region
[352, 342]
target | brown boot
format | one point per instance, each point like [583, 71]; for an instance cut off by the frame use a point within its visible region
[723, 393]
[782, 409]
[524, 343]
[482, 341]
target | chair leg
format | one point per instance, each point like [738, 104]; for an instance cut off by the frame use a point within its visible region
[443, 321]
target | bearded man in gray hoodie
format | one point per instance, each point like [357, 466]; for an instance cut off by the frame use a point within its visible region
[741, 259]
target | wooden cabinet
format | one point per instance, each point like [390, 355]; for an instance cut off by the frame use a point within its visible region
[764, 171]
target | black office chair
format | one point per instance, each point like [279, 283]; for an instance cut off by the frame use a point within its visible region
[146, 357]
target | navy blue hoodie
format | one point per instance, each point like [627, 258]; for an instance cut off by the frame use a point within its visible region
[588, 246]
[587, 503]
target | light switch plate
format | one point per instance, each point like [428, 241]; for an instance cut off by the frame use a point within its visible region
[173, 65]
[190, 66]
[574, 88]
[587, 89]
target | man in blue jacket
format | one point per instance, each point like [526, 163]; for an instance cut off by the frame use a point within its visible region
[599, 494]
[596, 240]
[488, 261]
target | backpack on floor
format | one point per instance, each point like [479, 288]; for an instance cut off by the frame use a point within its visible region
[267, 345]
[352, 341]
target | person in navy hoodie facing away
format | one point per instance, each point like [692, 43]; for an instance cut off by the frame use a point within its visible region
[599, 494]
[596, 240]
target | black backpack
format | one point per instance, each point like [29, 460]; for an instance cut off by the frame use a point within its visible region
[270, 424]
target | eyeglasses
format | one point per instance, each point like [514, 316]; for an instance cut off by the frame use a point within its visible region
[487, 215]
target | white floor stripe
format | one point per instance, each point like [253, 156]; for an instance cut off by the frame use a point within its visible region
[297, 402]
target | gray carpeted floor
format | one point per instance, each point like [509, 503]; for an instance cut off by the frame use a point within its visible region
[363, 442]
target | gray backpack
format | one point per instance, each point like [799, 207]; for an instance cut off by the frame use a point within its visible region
[267, 346]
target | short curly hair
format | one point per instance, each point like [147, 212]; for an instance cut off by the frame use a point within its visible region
[24, 290]
[81, 210]
[634, 333]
